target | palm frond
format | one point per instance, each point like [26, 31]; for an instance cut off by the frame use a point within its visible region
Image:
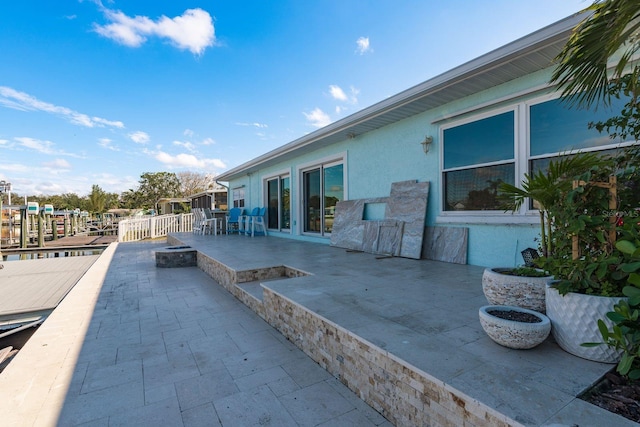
[582, 71]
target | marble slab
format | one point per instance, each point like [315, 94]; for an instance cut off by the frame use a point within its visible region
[348, 226]
[448, 244]
[408, 203]
[382, 237]
[401, 231]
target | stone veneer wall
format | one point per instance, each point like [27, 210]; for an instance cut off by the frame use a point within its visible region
[402, 393]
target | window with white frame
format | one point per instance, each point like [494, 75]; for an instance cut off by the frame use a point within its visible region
[278, 190]
[238, 197]
[477, 156]
[556, 129]
[481, 152]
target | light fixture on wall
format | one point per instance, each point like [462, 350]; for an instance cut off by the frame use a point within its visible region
[428, 140]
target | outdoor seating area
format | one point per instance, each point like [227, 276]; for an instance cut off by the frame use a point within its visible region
[253, 223]
[234, 220]
[205, 222]
[403, 334]
[241, 222]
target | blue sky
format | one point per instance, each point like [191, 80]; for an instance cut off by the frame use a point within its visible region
[100, 92]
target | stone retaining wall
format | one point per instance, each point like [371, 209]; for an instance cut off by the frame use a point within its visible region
[401, 392]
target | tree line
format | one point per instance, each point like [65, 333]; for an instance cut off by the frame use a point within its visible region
[152, 186]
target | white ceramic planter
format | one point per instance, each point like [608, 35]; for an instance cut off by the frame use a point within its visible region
[519, 291]
[574, 320]
[512, 334]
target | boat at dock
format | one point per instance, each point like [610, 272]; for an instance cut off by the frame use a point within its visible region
[31, 290]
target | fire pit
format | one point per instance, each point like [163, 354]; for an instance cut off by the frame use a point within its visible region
[176, 256]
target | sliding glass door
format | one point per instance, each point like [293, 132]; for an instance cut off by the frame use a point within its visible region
[278, 202]
[323, 189]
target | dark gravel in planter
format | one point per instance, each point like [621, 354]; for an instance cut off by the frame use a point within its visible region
[516, 316]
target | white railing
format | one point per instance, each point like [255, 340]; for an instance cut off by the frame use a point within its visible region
[131, 230]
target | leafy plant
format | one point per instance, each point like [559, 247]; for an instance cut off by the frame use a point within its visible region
[585, 212]
[625, 333]
[608, 34]
[523, 272]
[547, 188]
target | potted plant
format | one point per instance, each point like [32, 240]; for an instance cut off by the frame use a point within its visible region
[578, 232]
[585, 260]
[514, 327]
[520, 286]
[526, 286]
[620, 330]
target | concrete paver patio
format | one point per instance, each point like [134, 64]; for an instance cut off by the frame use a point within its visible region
[136, 345]
[168, 347]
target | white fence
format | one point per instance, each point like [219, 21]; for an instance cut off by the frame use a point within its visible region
[131, 230]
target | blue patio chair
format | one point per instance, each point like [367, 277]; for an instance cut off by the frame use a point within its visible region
[255, 223]
[245, 222]
[233, 220]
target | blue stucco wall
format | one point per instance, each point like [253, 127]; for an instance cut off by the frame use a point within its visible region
[376, 159]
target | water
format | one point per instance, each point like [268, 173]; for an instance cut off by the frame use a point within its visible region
[50, 254]
[9, 234]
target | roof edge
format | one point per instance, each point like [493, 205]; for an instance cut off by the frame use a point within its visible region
[553, 32]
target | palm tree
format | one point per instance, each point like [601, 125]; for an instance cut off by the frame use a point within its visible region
[611, 29]
[547, 188]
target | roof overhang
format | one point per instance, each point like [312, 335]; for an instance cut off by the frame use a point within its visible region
[519, 58]
[207, 192]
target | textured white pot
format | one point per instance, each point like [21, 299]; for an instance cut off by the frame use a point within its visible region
[512, 334]
[519, 291]
[574, 320]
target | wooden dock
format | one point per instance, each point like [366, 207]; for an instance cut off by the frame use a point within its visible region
[81, 241]
[38, 286]
[75, 243]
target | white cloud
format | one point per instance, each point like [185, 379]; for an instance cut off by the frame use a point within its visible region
[17, 100]
[187, 161]
[57, 164]
[14, 167]
[363, 45]
[106, 122]
[254, 124]
[337, 93]
[208, 141]
[318, 118]
[193, 30]
[186, 144]
[4, 142]
[188, 133]
[139, 137]
[48, 188]
[107, 143]
[354, 94]
[45, 147]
